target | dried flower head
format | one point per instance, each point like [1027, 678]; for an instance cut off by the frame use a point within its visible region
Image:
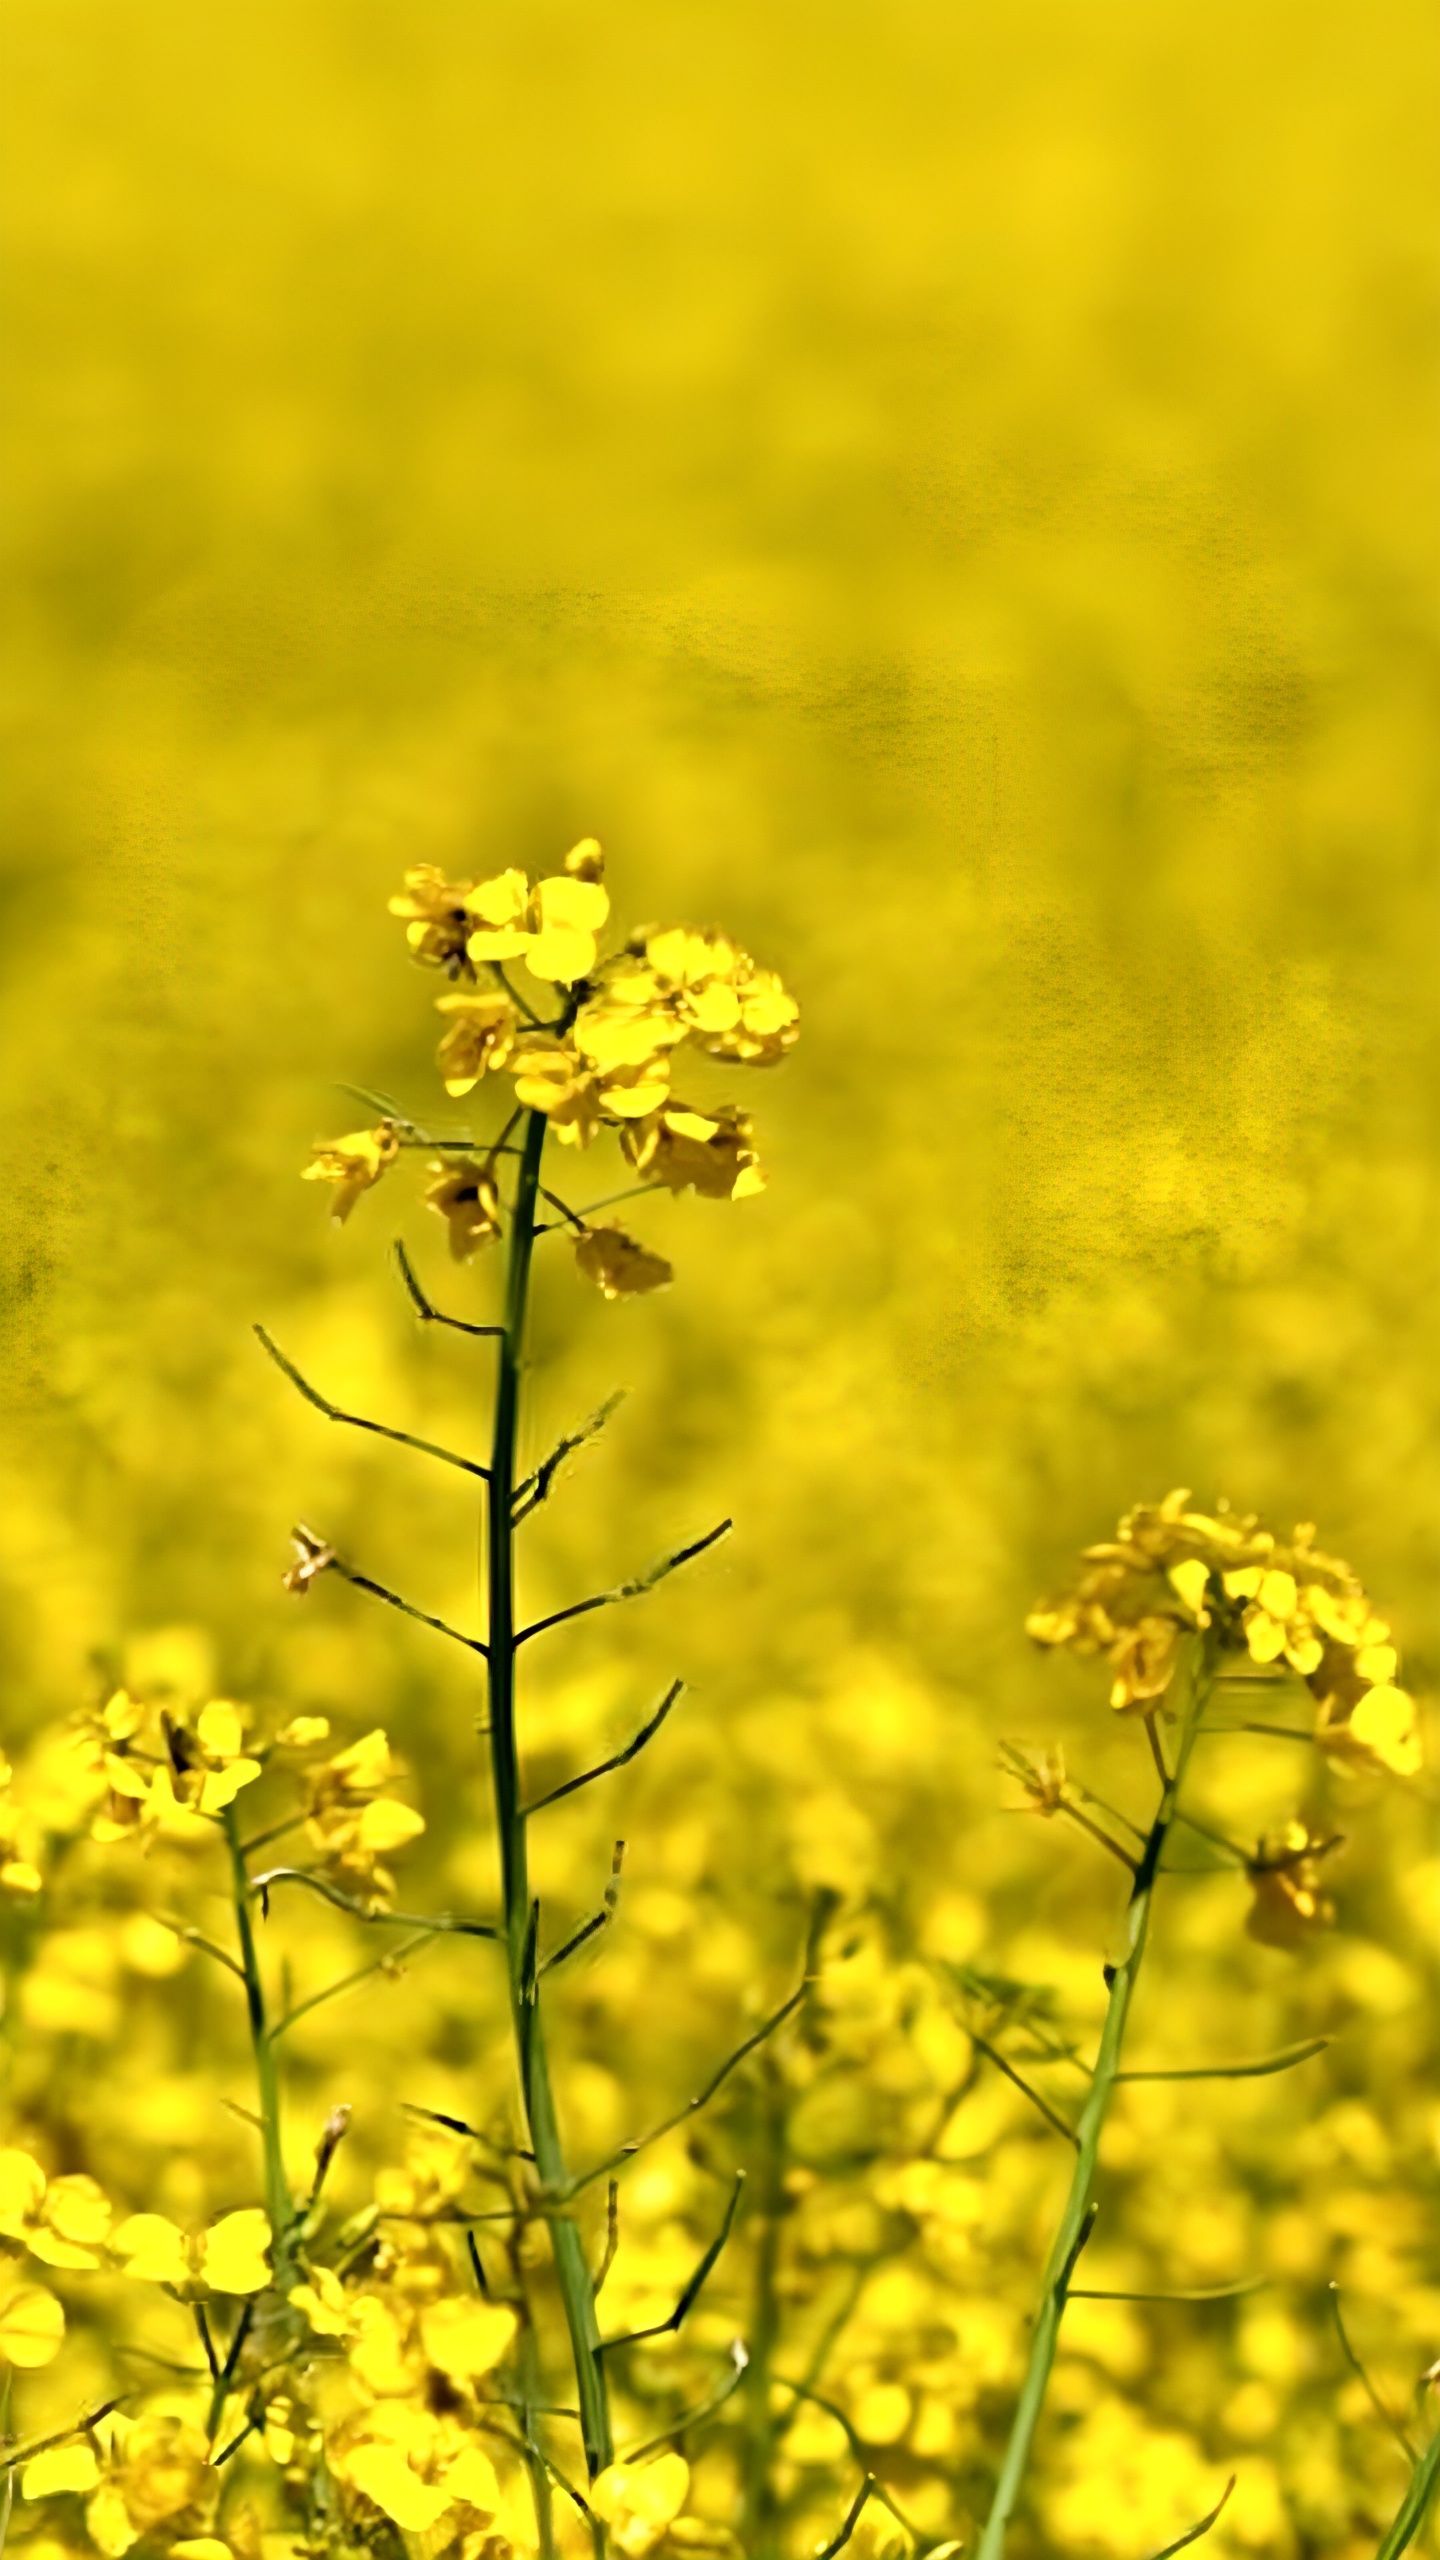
[466, 1197]
[1285, 1881]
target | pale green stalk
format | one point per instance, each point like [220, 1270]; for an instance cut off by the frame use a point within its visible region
[1415, 2504]
[1075, 2222]
[577, 2288]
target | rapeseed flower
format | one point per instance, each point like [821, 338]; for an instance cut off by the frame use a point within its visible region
[481, 1033]
[619, 1267]
[352, 1823]
[1284, 1877]
[61, 2221]
[710, 1153]
[231, 2257]
[354, 1164]
[465, 1196]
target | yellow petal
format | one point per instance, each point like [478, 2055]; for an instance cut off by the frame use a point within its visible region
[1244, 1582]
[77, 2209]
[200, 2546]
[1378, 1663]
[387, 1824]
[1278, 1594]
[572, 905]
[59, 2472]
[152, 2249]
[328, 2317]
[221, 1729]
[366, 1765]
[1190, 1579]
[647, 2494]
[464, 2338]
[232, 2255]
[471, 2481]
[18, 1876]
[1264, 1636]
[386, 2477]
[220, 1787]
[1383, 1722]
[501, 901]
[107, 2519]
[22, 2186]
[303, 1731]
[32, 2327]
[560, 954]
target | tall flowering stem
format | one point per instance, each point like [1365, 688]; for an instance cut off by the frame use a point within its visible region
[1197, 1674]
[572, 2271]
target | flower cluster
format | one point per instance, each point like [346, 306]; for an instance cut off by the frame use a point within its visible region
[352, 1822]
[605, 1060]
[1170, 1570]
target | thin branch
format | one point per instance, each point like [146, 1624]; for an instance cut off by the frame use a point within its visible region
[739, 2359]
[1077, 1814]
[612, 1200]
[617, 1760]
[429, 1314]
[1187, 2293]
[877, 2488]
[382, 1964]
[202, 2326]
[1269, 2062]
[196, 1938]
[1203, 2526]
[360, 1421]
[242, 2332]
[1157, 1750]
[250, 2428]
[407, 1608]
[19, 2453]
[1386, 2416]
[1207, 1831]
[358, 1911]
[1112, 1809]
[636, 1590]
[612, 2237]
[1056, 2122]
[533, 1491]
[682, 2115]
[693, 2286]
[858, 2506]
[598, 1920]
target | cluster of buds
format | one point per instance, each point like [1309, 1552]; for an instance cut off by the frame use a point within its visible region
[604, 1061]
[1169, 1571]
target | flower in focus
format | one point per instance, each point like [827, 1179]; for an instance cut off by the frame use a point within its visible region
[709, 1152]
[481, 1032]
[465, 1196]
[552, 927]
[640, 2500]
[208, 1760]
[353, 1164]
[228, 2258]
[438, 919]
[1285, 1881]
[1169, 1570]
[61, 2221]
[619, 1267]
[352, 1822]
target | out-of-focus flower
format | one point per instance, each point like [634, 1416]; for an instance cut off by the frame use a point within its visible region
[619, 1267]
[63, 2470]
[640, 2500]
[1170, 1569]
[353, 1164]
[465, 1196]
[155, 2475]
[1285, 1881]
[421, 2470]
[32, 2326]
[230, 2257]
[482, 1029]
[1041, 1775]
[708, 1152]
[20, 1841]
[61, 2221]
[352, 1822]
[312, 1557]
[437, 916]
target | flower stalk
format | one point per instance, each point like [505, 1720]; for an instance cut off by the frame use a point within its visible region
[279, 2203]
[572, 2272]
[1078, 2217]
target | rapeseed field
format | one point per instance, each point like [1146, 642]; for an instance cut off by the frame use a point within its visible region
[718, 1813]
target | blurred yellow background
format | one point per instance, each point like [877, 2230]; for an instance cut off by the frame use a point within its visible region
[949, 493]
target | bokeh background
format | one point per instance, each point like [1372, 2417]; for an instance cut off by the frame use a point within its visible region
[950, 494]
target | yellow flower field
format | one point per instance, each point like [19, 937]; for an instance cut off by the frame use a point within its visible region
[746, 692]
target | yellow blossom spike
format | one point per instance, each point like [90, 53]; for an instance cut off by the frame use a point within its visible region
[32, 2327]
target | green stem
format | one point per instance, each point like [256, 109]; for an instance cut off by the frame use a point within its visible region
[761, 2427]
[1078, 2214]
[279, 2203]
[1415, 2504]
[572, 2273]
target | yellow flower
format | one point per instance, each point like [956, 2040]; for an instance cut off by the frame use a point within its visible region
[352, 1822]
[209, 1762]
[156, 2473]
[465, 2336]
[552, 927]
[550, 1076]
[640, 2500]
[415, 2467]
[61, 2221]
[438, 918]
[32, 2327]
[61, 2471]
[479, 1037]
[1379, 1732]
[231, 2257]
[465, 1196]
[353, 1164]
[709, 1152]
[619, 1267]
[1142, 1658]
[1285, 1881]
